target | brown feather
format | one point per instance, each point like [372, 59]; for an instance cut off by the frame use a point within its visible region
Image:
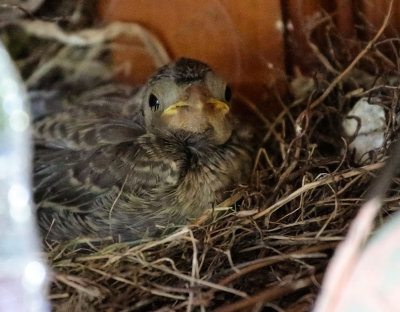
[101, 171]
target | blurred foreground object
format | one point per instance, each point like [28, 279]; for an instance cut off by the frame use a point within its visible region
[375, 282]
[22, 273]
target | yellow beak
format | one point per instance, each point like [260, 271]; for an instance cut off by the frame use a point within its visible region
[199, 116]
[211, 106]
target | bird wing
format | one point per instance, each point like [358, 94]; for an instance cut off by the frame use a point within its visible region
[77, 159]
[89, 156]
[72, 185]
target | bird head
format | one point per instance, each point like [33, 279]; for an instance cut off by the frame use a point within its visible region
[188, 96]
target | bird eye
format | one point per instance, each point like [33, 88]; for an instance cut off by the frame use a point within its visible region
[228, 93]
[154, 103]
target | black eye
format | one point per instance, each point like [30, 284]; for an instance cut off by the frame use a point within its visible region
[228, 93]
[154, 103]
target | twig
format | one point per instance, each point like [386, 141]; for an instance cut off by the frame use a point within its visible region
[87, 37]
[260, 263]
[268, 295]
[312, 185]
[329, 89]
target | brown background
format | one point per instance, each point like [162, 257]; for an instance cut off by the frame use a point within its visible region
[245, 41]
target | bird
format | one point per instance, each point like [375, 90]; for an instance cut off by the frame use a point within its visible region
[134, 163]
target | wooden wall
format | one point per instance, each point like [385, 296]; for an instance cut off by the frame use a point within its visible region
[245, 41]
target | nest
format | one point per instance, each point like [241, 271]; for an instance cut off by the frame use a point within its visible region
[267, 246]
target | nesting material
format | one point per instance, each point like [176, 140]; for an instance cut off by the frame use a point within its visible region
[365, 124]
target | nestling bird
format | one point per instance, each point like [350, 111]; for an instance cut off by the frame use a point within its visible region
[133, 164]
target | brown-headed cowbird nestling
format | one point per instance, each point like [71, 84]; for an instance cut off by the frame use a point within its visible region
[131, 164]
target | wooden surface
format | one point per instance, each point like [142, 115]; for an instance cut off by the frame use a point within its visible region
[245, 41]
[241, 40]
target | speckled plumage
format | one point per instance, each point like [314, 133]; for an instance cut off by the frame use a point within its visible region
[108, 165]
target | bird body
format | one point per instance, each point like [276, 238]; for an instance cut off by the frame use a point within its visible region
[134, 164]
